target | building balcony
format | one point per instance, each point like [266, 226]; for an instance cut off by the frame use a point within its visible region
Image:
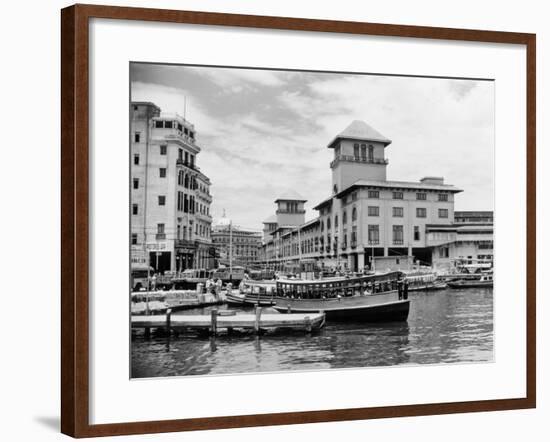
[180, 162]
[160, 236]
[344, 246]
[374, 242]
[353, 244]
[397, 242]
[354, 159]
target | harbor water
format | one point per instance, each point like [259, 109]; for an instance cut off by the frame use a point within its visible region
[445, 326]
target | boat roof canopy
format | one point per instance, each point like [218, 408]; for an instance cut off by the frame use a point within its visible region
[374, 278]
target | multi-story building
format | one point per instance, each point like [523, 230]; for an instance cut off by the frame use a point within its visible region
[369, 216]
[470, 238]
[170, 196]
[242, 244]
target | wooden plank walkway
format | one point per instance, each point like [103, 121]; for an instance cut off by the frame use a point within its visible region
[227, 320]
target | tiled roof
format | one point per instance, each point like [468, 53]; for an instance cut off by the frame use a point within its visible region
[359, 130]
[290, 195]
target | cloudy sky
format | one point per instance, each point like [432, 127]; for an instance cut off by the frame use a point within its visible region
[263, 131]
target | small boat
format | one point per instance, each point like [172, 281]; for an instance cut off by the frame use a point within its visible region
[485, 281]
[368, 298]
[424, 281]
[253, 293]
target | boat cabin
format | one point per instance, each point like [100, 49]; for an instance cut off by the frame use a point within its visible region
[341, 287]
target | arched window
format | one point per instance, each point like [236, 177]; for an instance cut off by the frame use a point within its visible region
[363, 151]
[186, 182]
[335, 221]
[344, 217]
[322, 226]
[356, 151]
[328, 223]
[354, 214]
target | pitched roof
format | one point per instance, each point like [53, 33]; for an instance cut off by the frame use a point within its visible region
[290, 195]
[359, 130]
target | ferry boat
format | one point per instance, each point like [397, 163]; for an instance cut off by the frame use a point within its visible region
[467, 269]
[370, 298]
[484, 281]
[252, 292]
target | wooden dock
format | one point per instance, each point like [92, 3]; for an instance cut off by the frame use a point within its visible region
[219, 321]
[158, 303]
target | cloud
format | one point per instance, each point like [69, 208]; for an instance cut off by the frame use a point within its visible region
[262, 132]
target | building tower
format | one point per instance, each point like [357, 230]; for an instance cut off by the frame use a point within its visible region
[290, 209]
[358, 155]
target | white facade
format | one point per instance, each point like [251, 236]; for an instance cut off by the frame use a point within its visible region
[170, 196]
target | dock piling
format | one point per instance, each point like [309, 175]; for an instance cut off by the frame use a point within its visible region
[307, 320]
[168, 321]
[258, 313]
[214, 322]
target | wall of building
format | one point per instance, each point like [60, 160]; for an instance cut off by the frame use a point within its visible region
[345, 172]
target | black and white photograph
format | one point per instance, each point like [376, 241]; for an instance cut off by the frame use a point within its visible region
[304, 220]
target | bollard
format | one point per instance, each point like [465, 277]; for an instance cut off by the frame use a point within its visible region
[214, 322]
[258, 312]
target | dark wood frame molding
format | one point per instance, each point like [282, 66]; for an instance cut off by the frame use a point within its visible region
[74, 219]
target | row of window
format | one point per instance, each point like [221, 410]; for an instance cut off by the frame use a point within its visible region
[398, 212]
[185, 203]
[168, 124]
[183, 156]
[420, 196]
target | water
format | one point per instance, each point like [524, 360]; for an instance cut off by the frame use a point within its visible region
[446, 326]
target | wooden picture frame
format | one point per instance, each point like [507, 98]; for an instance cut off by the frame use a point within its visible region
[75, 379]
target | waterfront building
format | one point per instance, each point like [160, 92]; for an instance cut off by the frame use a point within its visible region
[368, 216]
[470, 239]
[170, 195]
[242, 244]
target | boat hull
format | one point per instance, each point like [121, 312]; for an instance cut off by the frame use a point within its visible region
[248, 300]
[470, 284]
[428, 287]
[385, 312]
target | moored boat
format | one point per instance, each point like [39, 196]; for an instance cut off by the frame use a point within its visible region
[424, 281]
[370, 298]
[484, 281]
[253, 293]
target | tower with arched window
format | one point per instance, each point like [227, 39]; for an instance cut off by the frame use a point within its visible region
[358, 155]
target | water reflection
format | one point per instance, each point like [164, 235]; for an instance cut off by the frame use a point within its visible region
[443, 327]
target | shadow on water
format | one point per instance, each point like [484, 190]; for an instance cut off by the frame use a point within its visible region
[443, 327]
